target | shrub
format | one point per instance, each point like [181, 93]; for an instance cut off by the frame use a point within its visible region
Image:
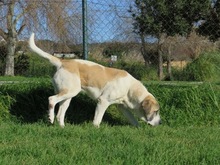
[39, 67]
[115, 48]
[5, 104]
[180, 104]
[22, 64]
[138, 70]
[29, 102]
[204, 68]
[188, 104]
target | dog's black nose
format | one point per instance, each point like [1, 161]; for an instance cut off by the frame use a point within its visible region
[160, 122]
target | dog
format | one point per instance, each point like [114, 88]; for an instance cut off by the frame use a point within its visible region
[106, 85]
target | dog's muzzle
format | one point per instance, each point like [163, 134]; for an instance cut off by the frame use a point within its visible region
[155, 120]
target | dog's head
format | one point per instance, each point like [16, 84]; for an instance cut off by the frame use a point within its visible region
[150, 111]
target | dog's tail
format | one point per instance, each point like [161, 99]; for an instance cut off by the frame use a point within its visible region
[53, 60]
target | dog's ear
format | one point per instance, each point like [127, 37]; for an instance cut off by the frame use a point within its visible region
[150, 104]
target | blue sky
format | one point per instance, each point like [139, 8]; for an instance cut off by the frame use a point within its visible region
[108, 20]
[111, 19]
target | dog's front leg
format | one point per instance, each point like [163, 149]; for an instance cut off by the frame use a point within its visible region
[128, 115]
[101, 107]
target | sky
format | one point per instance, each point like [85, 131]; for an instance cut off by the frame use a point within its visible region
[108, 20]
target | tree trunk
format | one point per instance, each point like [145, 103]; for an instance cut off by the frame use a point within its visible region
[160, 65]
[144, 52]
[160, 56]
[11, 40]
[9, 67]
[169, 69]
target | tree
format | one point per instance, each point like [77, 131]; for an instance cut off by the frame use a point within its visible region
[16, 15]
[211, 24]
[164, 18]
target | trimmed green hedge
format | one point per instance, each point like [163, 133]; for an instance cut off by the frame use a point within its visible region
[181, 104]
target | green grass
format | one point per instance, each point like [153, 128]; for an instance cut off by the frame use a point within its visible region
[189, 133]
[180, 103]
[84, 144]
[22, 79]
[204, 68]
[190, 113]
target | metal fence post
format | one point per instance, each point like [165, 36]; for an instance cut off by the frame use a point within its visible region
[85, 29]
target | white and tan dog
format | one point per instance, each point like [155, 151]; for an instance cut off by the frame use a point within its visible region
[107, 85]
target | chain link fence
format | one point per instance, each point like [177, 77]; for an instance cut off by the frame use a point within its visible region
[150, 39]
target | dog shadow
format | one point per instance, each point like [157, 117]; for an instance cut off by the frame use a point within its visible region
[82, 110]
[31, 107]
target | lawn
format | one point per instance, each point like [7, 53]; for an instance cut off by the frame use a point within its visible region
[189, 134]
[120, 144]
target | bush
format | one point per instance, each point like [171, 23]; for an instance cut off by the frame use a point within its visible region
[39, 67]
[204, 68]
[138, 70]
[115, 48]
[22, 63]
[181, 104]
[5, 104]
[188, 104]
[28, 65]
[30, 99]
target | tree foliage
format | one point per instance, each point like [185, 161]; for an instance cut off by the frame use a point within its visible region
[164, 18]
[211, 25]
[153, 17]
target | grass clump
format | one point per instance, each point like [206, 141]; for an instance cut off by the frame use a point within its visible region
[39, 67]
[29, 99]
[180, 103]
[5, 104]
[196, 104]
[204, 68]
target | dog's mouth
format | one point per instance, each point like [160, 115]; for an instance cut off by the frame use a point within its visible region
[154, 123]
[154, 120]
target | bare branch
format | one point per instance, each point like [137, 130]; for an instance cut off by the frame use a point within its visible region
[21, 29]
[3, 34]
[19, 16]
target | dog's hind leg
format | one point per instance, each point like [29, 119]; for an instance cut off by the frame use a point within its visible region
[51, 111]
[61, 96]
[62, 110]
[99, 111]
[51, 108]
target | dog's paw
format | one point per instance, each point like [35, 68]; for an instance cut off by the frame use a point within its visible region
[51, 119]
[62, 126]
[96, 125]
